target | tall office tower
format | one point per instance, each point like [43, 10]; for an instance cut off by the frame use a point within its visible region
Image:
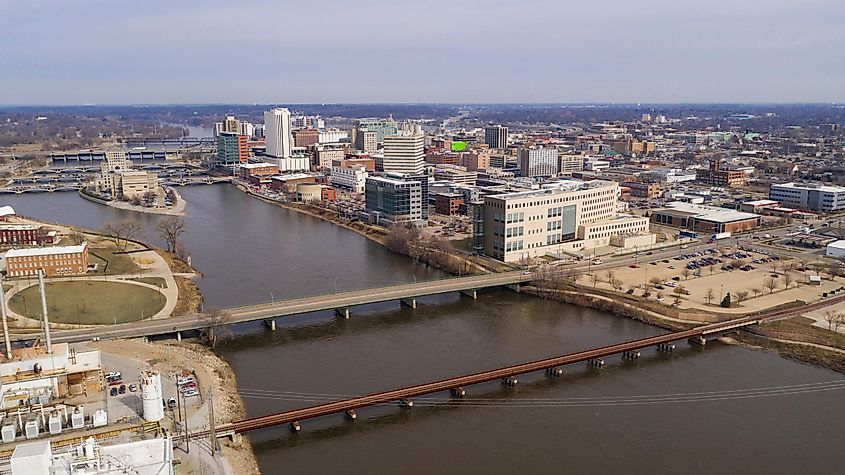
[535, 162]
[404, 153]
[366, 140]
[231, 150]
[277, 132]
[496, 136]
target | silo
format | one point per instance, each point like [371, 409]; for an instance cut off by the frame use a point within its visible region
[151, 396]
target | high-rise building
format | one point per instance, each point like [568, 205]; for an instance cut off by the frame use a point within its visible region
[496, 136]
[391, 200]
[277, 132]
[404, 153]
[231, 124]
[538, 162]
[366, 140]
[382, 127]
[231, 150]
[305, 137]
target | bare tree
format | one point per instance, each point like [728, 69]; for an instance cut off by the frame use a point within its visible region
[741, 296]
[771, 283]
[757, 291]
[686, 273]
[839, 322]
[712, 268]
[709, 295]
[121, 233]
[787, 279]
[831, 317]
[595, 279]
[616, 283]
[610, 274]
[170, 229]
[214, 321]
[76, 238]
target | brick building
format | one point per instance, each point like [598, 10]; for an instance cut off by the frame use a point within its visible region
[704, 218]
[717, 176]
[26, 234]
[448, 203]
[58, 260]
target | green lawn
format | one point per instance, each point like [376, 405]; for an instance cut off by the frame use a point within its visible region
[111, 264]
[90, 302]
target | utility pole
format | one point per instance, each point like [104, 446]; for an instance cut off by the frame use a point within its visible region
[5, 320]
[44, 311]
[212, 432]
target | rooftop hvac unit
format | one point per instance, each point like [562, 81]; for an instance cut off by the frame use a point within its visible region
[100, 418]
[8, 433]
[31, 429]
[77, 419]
[55, 423]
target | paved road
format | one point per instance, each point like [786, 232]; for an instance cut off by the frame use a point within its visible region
[292, 307]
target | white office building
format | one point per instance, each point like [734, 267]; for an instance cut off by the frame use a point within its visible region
[332, 136]
[404, 153]
[277, 133]
[537, 162]
[559, 220]
[352, 178]
[809, 196]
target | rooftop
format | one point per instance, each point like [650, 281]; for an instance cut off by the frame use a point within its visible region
[46, 251]
[710, 213]
[586, 185]
[812, 186]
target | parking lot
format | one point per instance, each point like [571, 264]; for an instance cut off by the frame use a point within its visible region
[717, 271]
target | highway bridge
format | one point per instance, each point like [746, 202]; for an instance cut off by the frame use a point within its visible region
[508, 374]
[339, 302]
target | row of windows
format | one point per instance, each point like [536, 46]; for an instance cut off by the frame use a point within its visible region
[514, 231]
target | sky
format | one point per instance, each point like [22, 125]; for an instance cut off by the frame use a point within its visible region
[261, 51]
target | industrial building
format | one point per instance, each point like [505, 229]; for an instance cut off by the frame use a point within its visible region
[704, 218]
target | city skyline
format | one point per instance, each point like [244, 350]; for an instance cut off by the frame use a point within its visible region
[446, 52]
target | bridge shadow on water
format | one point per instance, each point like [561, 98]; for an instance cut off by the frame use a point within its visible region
[532, 385]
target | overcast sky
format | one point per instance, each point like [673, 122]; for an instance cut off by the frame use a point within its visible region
[241, 51]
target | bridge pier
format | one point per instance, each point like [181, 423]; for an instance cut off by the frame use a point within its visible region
[667, 347]
[236, 439]
[510, 381]
[351, 414]
[596, 362]
[514, 287]
[472, 293]
[411, 302]
[698, 340]
[178, 336]
[342, 312]
[458, 392]
[271, 324]
[295, 426]
[406, 403]
[630, 355]
[556, 372]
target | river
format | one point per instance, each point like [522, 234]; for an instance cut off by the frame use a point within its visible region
[697, 410]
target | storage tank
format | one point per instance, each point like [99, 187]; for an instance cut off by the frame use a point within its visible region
[151, 396]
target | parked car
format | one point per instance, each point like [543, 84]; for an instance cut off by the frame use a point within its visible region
[676, 278]
[184, 380]
[171, 403]
[597, 262]
[122, 389]
[191, 393]
[133, 388]
[630, 291]
[113, 391]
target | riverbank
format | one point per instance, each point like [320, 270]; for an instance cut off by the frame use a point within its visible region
[177, 209]
[213, 375]
[381, 236]
[794, 338]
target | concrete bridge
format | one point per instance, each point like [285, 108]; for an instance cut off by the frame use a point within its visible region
[340, 302]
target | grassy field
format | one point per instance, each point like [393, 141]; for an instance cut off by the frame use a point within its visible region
[90, 302]
[111, 264]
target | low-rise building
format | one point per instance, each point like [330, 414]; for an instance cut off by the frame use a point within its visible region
[25, 235]
[809, 196]
[704, 218]
[835, 249]
[287, 183]
[716, 175]
[249, 171]
[55, 260]
[349, 178]
[448, 203]
[641, 189]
